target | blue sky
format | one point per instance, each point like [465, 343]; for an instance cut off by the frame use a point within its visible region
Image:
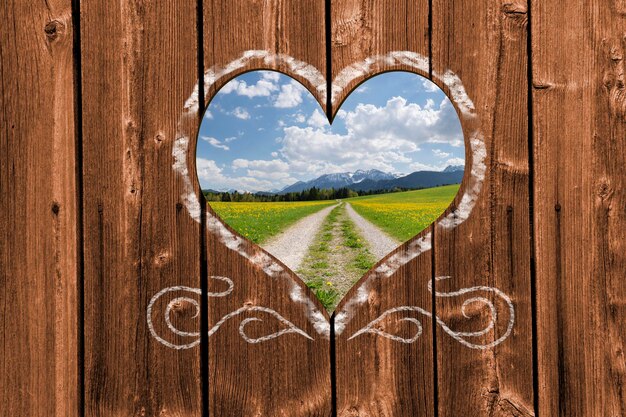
[264, 131]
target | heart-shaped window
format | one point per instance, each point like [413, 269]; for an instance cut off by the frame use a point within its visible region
[329, 201]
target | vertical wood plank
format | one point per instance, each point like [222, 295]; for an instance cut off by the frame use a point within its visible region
[485, 44]
[139, 65]
[362, 29]
[253, 369]
[579, 102]
[376, 375]
[293, 29]
[38, 233]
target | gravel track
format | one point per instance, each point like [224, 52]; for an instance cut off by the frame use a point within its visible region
[292, 244]
[380, 243]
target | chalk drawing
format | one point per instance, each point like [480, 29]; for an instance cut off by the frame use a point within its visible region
[461, 337]
[370, 66]
[289, 326]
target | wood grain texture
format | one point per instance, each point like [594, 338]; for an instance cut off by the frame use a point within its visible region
[139, 65]
[579, 103]
[38, 232]
[288, 375]
[362, 29]
[291, 28]
[485, 44]
[376, 376]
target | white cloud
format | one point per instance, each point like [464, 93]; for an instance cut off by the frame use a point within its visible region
[207, 169]
[212, 176]
[216, 143]
[429, 86]
[317, 119]
[208, 115]
[290, 95]
[263, 88]
[275, 165]
[377, 137]
[418, 166]
[440, 154]
[455, 161]
[362, 89]
[274, 154]
[230, 139]
[240, 113]
[270, 75]
[299, 118]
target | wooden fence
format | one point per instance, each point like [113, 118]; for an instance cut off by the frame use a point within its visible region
[512, 304]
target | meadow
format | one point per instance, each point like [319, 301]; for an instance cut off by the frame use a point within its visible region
[260, 221]
[404, 214]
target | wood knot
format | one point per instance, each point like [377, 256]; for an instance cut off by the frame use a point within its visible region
[557, 207]
[542, 85]
[56, 208]
[162, 258]
[513, 9]
[604, 190]
[54, 29]
[613, 79]
[516, 13]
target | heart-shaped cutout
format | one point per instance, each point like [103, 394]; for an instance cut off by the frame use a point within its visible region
[329, 201]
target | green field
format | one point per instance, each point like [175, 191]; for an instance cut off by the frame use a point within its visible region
[260, 221]
[405, 214]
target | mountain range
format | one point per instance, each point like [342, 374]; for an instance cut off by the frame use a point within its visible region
[374, 179]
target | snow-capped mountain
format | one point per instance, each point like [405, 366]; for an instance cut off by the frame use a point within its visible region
[373, 179]
[371, 174]
[339, 180]
[454, 168]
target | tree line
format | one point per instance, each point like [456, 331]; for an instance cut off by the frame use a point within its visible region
[310, 194]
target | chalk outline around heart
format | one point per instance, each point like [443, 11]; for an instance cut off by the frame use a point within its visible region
[420, 243]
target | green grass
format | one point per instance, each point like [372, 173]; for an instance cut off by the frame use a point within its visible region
[405, 214]
[316, 269]
[363, 260]
[260, 221]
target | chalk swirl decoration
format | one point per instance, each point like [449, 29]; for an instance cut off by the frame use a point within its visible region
[461, 337]
[289, 327]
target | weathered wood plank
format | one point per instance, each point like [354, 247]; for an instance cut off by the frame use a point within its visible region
[295, 30]
[38, 211]
[579, 113]
[485, 44]
[376, 375]
[139, 65]
[281, 375]
[367, 29]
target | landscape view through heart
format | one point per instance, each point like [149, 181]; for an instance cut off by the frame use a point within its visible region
[329, 201]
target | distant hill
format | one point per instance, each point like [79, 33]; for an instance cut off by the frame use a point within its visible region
[338, 180]
[454, 168]
[413, 181]
[377, 180]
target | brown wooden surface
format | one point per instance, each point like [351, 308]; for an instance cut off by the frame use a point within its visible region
[363, 29]
[484, 43]
[376, 376]
[139, 66]
[38, 212]
[288, 375]
[579, 140]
